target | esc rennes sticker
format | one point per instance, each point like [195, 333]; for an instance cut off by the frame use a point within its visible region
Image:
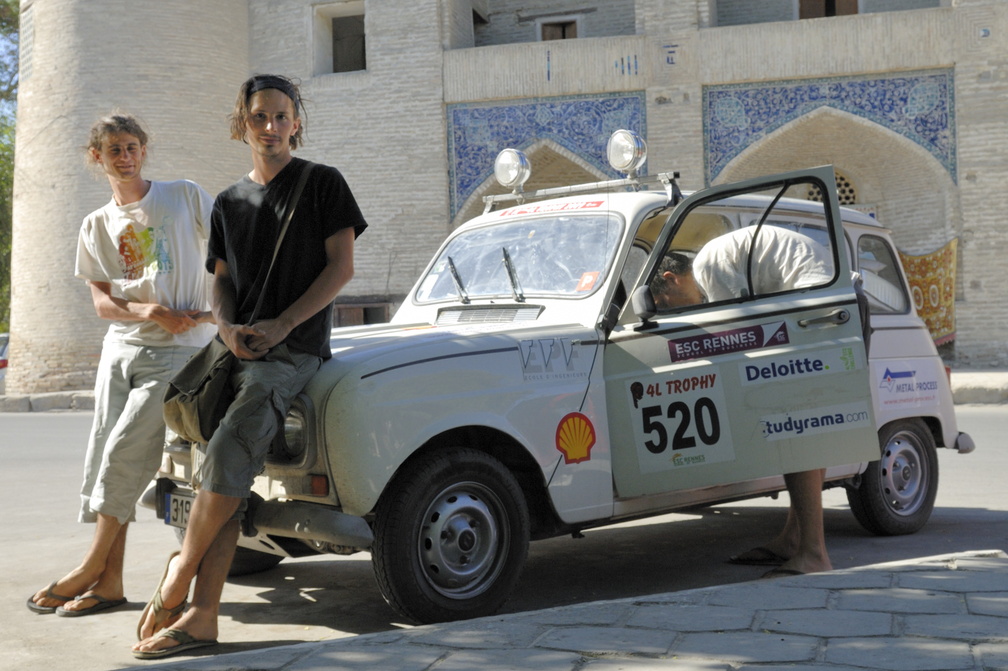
[575, 436]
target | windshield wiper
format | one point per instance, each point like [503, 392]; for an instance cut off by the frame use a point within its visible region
[463, 296]
[516, 289]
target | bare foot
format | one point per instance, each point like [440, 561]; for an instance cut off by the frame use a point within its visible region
[63, 590]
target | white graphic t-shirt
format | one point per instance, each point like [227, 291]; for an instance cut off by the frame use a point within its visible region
[152, 251]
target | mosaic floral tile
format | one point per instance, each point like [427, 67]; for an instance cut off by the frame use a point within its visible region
[920, 106]
[582, 124]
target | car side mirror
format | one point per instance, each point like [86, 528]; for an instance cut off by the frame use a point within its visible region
[643, 304]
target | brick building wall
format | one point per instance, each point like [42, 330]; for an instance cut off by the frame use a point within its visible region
[152, 61]
[389, 128]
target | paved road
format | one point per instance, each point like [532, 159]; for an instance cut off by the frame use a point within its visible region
[325, 598]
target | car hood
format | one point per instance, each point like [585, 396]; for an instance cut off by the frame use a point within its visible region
[370, 350]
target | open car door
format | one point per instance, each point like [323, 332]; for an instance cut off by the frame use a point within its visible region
[763, 372]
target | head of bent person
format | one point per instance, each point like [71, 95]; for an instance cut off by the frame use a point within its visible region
[674, 285]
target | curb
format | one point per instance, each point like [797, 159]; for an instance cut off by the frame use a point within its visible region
[56, 400]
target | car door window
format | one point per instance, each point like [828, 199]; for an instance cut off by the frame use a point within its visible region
[880, 273]
[740, 254]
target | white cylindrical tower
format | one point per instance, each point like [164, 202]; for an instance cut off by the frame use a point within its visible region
[177, 65]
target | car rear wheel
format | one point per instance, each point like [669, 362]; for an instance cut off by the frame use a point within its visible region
[897, 493]
[451, 537]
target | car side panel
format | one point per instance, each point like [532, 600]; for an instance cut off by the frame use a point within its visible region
[521, 385]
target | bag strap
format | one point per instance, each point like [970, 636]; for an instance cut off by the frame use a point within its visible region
[291, 206]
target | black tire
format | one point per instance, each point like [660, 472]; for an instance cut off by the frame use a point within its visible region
[246, 561]
[451, 537]
[897, 493]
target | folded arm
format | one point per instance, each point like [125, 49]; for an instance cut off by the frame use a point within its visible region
[115, 308]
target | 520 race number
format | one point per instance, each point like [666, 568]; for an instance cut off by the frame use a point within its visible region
[688, 425]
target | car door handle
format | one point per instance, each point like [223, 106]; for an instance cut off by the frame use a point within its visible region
[835, 318]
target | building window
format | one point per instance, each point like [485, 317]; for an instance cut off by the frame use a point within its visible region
[348, 43]
[814, 9]
[359, 314]
[340, 43]
[562, 28]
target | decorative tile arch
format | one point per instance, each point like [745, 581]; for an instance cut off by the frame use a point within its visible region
[918, 105]
[580, 124]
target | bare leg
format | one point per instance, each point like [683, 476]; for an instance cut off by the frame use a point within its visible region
[110, 583]
[206, 555]
[101, 571]
[806, 514]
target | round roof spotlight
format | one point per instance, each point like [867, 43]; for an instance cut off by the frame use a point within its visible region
[512, 169]
[626, 152]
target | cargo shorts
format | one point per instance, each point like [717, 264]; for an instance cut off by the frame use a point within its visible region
[265, 389]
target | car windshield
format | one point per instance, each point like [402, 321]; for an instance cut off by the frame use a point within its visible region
[566, 256]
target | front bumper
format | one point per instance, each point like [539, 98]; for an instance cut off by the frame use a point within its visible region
[964, 443]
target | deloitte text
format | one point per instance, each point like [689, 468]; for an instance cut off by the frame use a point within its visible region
[792, 367]
[826, 362]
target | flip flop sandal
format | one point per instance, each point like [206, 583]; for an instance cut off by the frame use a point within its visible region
[103, 604]
[45, 610]
[758, 556]
[186, 642]
[161, 614]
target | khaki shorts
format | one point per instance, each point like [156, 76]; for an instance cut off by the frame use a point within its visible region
[128, 432]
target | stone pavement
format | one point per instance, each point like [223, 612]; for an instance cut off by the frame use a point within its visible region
[941, 613]
[932, 614]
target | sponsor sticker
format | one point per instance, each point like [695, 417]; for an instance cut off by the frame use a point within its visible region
[549, 359]
[728, 342]
[680, 421]
[587, 281]
[813, 421]
[550, 207]
[902, 386]
[775, 369]
[575, 437]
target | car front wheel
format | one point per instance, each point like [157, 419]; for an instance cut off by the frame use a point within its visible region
[451, 537]
[897, 493]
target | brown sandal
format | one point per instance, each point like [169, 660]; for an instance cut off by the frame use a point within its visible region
[161, 614]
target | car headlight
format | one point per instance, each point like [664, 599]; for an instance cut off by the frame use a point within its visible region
[294, 434]
[626, 151]
[512, 169]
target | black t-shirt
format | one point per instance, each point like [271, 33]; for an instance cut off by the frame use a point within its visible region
[244, 228]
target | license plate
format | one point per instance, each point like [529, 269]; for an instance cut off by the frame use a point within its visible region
[177, 506]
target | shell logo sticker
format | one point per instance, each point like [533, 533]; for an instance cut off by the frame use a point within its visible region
[575, 436]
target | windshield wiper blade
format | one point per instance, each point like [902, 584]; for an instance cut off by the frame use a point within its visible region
[516, 289]
[463, 296]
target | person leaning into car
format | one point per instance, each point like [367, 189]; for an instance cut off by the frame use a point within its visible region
[782, 260]
[276, 356]
[141, 255]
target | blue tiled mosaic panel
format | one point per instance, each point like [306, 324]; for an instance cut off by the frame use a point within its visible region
[477, 132]
[918, 105]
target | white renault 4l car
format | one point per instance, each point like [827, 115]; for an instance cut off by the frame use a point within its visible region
[533, 385]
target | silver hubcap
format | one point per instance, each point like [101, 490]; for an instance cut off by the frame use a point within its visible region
[462, 540]
[904, 474]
